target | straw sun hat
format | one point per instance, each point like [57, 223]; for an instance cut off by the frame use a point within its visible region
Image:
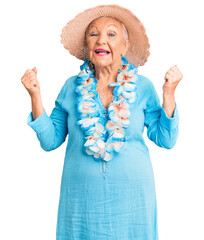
[73, 33]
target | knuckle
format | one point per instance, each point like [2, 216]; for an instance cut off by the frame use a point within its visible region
[27, 71]
[31, 77]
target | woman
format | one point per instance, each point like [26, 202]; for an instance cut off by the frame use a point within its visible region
[107, 188]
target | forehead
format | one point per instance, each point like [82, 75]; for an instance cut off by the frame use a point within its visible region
[105, 22]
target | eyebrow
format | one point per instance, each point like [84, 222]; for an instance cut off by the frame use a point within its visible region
[107, 26]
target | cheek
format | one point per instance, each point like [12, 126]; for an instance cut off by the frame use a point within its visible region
[91, 47]
[90, 51]
[117, 47]
[91, 43]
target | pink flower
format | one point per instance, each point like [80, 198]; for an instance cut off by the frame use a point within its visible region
[119, 111]
[116, 146]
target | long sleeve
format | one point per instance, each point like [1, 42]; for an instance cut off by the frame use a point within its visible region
[161, 129]
[51, 130]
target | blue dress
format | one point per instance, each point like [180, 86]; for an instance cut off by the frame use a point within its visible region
[113, 200]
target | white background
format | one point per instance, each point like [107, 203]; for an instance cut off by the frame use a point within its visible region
[30, 177]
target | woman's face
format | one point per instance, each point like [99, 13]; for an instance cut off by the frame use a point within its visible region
[106, 33]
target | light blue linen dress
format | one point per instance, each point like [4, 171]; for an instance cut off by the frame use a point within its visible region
[113, 200]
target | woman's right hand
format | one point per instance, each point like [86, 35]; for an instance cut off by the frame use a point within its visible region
[31, 83]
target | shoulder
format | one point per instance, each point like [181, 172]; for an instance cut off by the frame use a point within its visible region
[147, 91]
[67, 88]
[66, 95]
[145, 84]
[69, 84]
[71, 81]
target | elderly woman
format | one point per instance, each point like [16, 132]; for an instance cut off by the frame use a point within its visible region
[107, 188]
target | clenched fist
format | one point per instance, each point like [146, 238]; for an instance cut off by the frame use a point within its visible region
[172, 78]
[31, 83]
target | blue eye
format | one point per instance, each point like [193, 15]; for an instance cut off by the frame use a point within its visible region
[93, 34]
[112, 34]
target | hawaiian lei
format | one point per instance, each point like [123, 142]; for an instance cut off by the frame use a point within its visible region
[103, 139]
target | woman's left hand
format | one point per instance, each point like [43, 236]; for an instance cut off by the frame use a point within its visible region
[172, 77]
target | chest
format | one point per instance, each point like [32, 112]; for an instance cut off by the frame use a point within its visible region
[106, 95]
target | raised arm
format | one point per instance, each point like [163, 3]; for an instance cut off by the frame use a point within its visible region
[51, 130]
[162, 122]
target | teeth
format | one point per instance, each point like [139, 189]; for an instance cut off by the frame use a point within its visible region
[102, 52]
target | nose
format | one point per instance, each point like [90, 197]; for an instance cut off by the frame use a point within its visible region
[101, 39]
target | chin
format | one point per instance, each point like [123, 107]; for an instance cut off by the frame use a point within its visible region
[101, 62]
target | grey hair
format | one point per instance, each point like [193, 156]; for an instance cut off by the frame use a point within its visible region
[125, 31]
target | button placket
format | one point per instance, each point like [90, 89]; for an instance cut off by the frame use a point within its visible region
[103, 168]
[104, 117]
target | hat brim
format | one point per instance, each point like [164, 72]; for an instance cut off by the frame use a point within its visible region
[73, 33]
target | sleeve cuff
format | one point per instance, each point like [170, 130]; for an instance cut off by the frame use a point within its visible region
[40, 123]
[168, 122]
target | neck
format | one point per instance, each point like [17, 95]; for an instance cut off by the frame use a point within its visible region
[107, 74]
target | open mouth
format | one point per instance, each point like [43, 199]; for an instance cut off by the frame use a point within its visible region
[101, 52]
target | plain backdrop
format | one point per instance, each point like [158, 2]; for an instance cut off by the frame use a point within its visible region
[30, 177]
